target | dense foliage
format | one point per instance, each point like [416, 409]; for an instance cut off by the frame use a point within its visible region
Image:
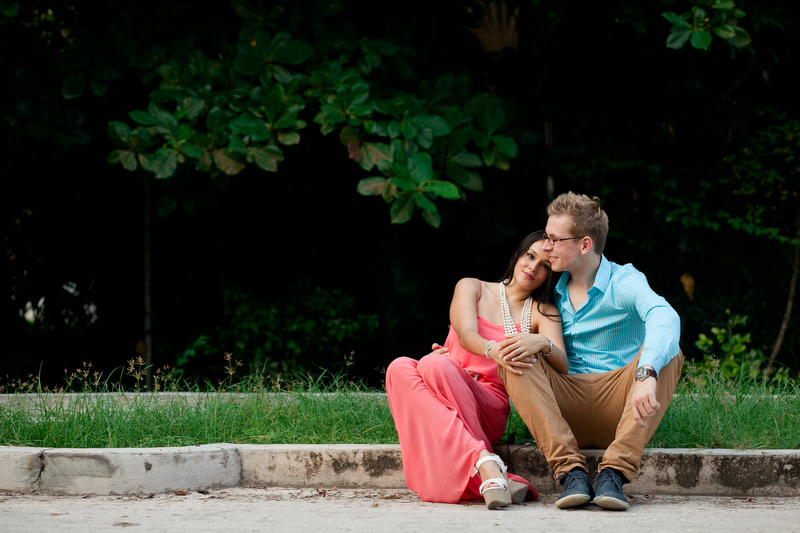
[258, 123]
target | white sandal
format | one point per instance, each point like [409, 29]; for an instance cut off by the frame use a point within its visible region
[498, 495]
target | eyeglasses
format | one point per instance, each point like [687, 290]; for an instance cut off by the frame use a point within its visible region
[553, 242]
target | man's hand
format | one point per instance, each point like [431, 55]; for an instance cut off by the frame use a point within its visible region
[643, 400]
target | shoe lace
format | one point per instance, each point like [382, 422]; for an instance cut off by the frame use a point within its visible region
[607, 476]
[571, 479]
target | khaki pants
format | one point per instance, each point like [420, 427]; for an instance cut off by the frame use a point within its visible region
[567, 412]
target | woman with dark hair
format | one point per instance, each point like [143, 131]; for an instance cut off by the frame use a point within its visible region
[450, 406]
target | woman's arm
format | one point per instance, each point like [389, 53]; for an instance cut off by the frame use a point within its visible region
[464, 315]
[464, 319]
[524, 347]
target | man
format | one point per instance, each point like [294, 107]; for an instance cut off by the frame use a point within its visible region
[624, 361]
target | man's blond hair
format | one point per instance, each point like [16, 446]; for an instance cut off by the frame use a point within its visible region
[588, 218]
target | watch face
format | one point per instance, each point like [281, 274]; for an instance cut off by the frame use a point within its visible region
[641, 374]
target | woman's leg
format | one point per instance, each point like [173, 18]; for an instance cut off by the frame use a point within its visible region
[442, 416]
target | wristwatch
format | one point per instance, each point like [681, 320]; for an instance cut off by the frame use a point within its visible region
[643, 373]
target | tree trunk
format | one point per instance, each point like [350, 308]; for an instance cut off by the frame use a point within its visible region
[789, 304]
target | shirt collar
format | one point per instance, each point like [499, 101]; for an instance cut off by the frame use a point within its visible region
[603, 276]
[601, 279]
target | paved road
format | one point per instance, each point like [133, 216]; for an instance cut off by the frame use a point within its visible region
[273, 509]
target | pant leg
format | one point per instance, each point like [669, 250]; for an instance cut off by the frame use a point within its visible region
[539, 395]
[444, 419]
[624, 452]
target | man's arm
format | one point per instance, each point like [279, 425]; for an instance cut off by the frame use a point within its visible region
[662, 333]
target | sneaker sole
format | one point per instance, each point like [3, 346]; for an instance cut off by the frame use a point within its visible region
[573, 500]
[607, 502]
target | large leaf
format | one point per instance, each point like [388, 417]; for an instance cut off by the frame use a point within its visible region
[402, 208]
[142, 117]
[742, 38]
[371, 186]
[120, 133]
[266, 158]
[165, 163]
[435, 123]
[73, 86]
[420, 166]
[227, 161]
[678, 37]
[505, 145]
[192, 107]
[701, 40]
[445, 189]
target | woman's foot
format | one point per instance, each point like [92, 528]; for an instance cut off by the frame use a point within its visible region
[494, 488]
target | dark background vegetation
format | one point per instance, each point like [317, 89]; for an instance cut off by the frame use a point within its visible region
[256, 267]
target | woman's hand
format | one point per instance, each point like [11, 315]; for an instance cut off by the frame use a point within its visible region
[523, 347]
[438, 348]
[511, 366]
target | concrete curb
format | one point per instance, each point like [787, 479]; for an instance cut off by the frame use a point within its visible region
[154, 470]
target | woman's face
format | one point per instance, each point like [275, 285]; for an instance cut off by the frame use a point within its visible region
[533, 267]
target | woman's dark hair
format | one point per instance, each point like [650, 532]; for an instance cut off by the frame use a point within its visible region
[545, 293]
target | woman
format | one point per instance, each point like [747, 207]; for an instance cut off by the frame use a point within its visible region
[450, 406]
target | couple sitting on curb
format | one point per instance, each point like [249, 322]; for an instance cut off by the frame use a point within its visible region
[590, 359]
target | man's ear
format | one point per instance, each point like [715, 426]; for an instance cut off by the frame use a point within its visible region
[587, 245]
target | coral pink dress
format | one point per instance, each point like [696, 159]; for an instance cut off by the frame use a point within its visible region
[445, 416]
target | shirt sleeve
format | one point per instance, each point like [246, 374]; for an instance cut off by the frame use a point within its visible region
[662, 323]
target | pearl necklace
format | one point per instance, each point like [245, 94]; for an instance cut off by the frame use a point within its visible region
[508, 322]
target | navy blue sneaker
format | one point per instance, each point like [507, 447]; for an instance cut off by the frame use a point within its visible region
[577, 490]
[608, 490]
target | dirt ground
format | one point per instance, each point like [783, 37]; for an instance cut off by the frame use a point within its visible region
[332, 509]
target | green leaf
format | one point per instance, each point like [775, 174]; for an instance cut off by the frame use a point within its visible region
[467, 159]
[402, 208]
[435, 123]
[98, 89]
[420, 166]
[193, 107]
[724, 5]
[128, 160]
[192, 151]
[741, 39]
[409, 128]
[288, 137]
[404, 183]
[146, 160]
[492, 118]
[701, 39]
[505, 145]
[425, 138]
[273, 104]
[676, 20]
[266, 158]
[166, 205]
[432, 217]
[371, 186]
[142, 117]
[166, 163]
[424, 203]
[445, 189]
[290, 52]
[678, 37]
[725, 31]
[119, 132]
[217, 121]
[227, 161]
[73, 86]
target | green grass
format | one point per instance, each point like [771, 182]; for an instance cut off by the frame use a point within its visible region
[707, 412]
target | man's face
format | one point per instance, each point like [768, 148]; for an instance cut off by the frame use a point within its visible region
[563, 253]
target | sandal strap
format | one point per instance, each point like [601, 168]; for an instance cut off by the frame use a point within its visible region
[493, 458]
[499, 481]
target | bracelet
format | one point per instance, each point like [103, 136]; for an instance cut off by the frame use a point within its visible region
[551, 348]
[486, 349]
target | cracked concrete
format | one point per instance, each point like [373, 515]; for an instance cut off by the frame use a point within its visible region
[213, 466]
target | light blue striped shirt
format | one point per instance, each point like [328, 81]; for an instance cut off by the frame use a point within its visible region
[620, 315]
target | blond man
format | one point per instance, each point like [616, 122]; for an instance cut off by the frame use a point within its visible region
[624, 361]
